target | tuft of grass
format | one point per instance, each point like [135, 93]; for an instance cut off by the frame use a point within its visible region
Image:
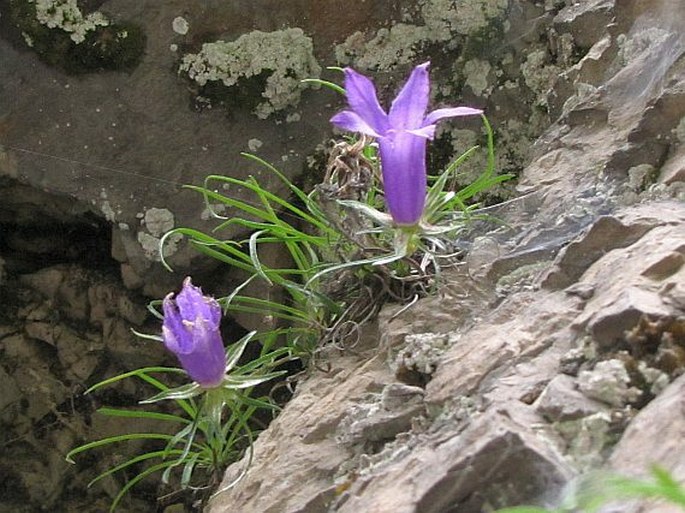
[214, 426]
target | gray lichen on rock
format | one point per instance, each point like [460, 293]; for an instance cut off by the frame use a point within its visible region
[66, 15]
[539, 75]
[467, 17]
[283, 58]
[586, 437]
[63, 35]
[422, 352]
[387, 49]
[608, 382]
[476, 71]
[158, 221]
[440, 21]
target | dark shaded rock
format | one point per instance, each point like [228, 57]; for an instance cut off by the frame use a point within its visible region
[585, 20]
[623, 313]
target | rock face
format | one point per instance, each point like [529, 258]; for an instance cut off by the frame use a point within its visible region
[556, 348]
[561, 357]
[62, 327]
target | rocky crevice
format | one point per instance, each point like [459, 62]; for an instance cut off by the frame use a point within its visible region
[65, 323]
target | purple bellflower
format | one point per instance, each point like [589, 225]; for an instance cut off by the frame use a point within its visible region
[191, 331]
[401, 133]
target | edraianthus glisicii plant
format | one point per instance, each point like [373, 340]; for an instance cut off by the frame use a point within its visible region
[191, 330]
[419, 217]
[402, 134]
[214, 426]
[216, 405]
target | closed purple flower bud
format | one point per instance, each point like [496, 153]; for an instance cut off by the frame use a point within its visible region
[191, 331]
[402, 134]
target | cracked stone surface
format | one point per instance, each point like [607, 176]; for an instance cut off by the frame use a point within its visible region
[543, 372]
[556, 349]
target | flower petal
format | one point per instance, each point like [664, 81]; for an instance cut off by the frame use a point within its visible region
[191, 331]
[361, 95]
[403, 164]
[427, 132]
[206, 364]
[170, 340]
[410, 104]
[193, 304]
[175, 335]
[348, 120]
[449, 112]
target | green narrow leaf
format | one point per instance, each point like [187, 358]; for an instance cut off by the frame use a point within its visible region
[147, 336]
[183, 392]
[239, 382]
[236, 351]
[114, 439]
[134, 373]
[189, 432]
[131, 483]
[206, 243]
[376, 215]
[188, 468]
[524, 509]
[254, 255]
[117, 412]
[317, 221]
[345, 265]
[128, 463]
[331, 85]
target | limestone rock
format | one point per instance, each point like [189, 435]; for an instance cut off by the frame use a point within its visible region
[478, 467]
[314, 454]
[636, 290]
[382, 416]
[562, 401]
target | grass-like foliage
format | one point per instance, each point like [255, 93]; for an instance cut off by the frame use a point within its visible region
[299, 225]
[597, 490]
[346, 252]
[210, 429]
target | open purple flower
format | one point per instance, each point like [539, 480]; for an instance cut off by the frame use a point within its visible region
[402, 134]
[191, 331]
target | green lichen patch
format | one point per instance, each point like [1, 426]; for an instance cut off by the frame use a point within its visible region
[63, 36]
[261, 71]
